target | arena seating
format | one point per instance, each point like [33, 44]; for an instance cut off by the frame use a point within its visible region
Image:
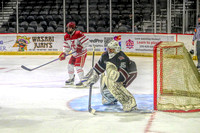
[47, 16]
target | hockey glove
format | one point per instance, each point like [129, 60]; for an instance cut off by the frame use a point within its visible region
[62, 56]
[79, 49]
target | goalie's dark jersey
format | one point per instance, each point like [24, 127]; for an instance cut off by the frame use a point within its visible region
[121, 61]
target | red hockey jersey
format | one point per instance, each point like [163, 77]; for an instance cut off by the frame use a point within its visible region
[71, 42]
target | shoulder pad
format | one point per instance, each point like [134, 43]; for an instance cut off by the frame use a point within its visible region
[79, 33]
[66, 37]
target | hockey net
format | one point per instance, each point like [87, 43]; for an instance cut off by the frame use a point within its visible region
[176, 79]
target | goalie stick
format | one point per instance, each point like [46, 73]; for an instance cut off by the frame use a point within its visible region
[28, 69]
[90, 109]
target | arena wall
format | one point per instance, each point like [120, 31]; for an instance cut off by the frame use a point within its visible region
[140, 44]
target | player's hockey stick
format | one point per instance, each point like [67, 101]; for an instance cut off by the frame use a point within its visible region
[90, 109]
[28, 69]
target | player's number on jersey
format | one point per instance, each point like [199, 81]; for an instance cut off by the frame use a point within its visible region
[123, 65]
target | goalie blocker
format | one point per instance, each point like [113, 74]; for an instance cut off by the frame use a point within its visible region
[117, 73]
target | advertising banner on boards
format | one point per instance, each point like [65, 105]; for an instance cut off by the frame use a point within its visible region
[31, 42]
[136, 43]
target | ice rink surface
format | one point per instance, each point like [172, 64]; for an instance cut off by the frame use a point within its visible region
[37, 102]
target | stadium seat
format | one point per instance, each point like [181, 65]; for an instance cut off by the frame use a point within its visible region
[11, 30]
[24, 24]
[48, 18]
[122, 28]
[73, 12]
[30, 18]
[92, 23]
[96, 12]
[59, 29]
[5, 25]
[76, 18]
[50, 29]
[28, 8]
[55, 7]
[43, 24]
[25, 13]
[53, 24]
[57, 18]
[34, 13]
[81, 28]
[101, 23]
[2, 30]
[76, 1]
[38, 7]
[21, 30]
[41, 2]
[30, 30]
[92, 7]
[40, 29]
[54, 12]
[68, 1]
[46, 7]
[33, 24]
[81, 23]
[74, 6]
[43, 12]
[92, 29]
[83, 12]
[50, 2]
[101, 29]
[22, 18]
[39, 18]
[13, 24]
[12, 18]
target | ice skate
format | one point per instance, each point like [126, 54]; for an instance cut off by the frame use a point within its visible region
[70, 81]
[79, 85]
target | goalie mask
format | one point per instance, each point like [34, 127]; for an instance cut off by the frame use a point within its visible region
[113, 48]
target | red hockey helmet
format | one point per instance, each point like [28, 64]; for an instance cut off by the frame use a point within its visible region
[71, 25]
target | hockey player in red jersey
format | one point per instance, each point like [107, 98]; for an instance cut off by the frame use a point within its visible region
[117, 73]
[75, 41]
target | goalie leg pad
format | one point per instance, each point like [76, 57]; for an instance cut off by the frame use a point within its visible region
[107, 97]
[121, 94]
[111, 71]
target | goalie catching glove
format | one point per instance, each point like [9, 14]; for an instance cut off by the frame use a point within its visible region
[62, 56]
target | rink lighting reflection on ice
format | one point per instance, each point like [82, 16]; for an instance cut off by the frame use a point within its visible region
[144, 104]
